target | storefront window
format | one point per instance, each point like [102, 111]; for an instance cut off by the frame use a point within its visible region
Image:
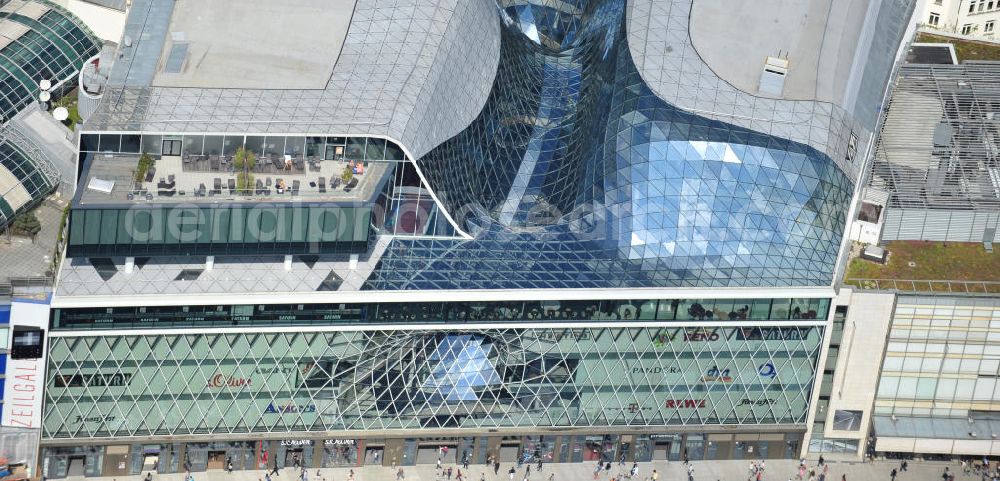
[73, 461]
[694, 449]
[409, 453]
[539, 448]
[643, 449]
[295, 453]
[483, 448]
[465, 449]
[205, 456]
[712, 450]
[600, 448]
[340, 452]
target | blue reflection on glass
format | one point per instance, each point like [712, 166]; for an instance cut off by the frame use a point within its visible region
[576, 175]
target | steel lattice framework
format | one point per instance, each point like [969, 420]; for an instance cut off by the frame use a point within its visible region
[247, 382]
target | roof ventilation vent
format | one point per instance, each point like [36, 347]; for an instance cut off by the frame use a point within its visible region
[772, 78]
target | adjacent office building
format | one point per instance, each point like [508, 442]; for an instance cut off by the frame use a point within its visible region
[546, 230]
[970, 18]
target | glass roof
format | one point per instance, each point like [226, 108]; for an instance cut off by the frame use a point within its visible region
[576, 175]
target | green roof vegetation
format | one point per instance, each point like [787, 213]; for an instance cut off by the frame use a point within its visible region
[929, 261]
[964, 49]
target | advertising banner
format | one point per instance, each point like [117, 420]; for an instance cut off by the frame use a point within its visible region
[22, 406]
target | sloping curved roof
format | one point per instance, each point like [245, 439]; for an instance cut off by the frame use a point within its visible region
[26, 176]
[41, 41]
[414, 70]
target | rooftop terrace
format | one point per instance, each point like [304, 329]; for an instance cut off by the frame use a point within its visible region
[110, 179]
[965, 49]
[929, 266]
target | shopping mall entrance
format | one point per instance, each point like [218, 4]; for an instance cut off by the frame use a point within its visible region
[216, 460]
[76, 466]
[429, 454]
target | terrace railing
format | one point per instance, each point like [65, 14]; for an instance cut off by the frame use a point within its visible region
[926, 285]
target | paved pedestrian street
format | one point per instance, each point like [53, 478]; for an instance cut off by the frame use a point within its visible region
[776, 470]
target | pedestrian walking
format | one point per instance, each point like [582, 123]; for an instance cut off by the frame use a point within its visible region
[820, 459]
[449, 472]
[274, 470]
[459, 477]
[496, 467]
[482, 477]
[399, 474]
[597, 470]
[465, 463]
[267, 477]
[892, 475]
[539, 467]
[607, 468]
[527, 471]
[512, 471]
[439, 464]
[655, 476]
[229, 467]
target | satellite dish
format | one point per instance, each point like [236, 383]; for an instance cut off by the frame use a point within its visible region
[45, 96]
[45, 84]
[60, 113]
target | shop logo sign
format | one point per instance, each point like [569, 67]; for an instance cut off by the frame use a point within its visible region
[772, 333]
[696, 334]
[662, 340]
[656, 370]
[296, 442]
[685, 403]
[221, 381]
[340, 442]
[701, 335]
[93, 419]
[288, 408]
[96, 379]
[767, 370]
[714, 374]
[756, 402]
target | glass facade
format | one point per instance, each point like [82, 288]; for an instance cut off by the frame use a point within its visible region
[312, 147]
[146, 317]
[240, 383]
[219, 229]
[576, 170]
[942, 361]
[53, 47]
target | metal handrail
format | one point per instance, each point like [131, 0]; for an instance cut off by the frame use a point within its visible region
[926, 285]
